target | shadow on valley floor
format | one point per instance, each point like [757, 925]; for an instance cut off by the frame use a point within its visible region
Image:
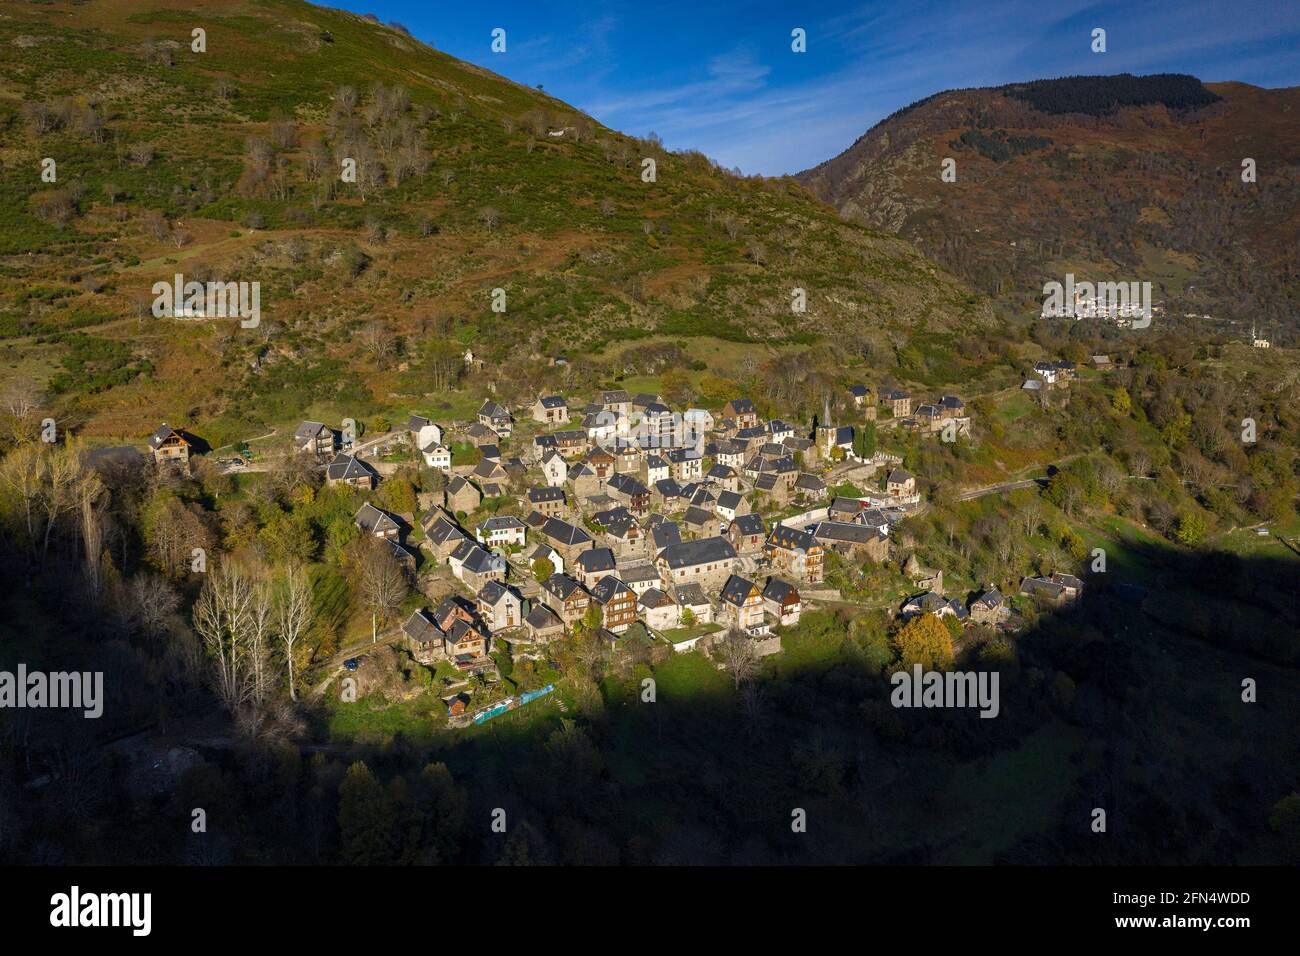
[1132, 705]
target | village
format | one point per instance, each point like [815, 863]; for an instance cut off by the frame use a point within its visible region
[654, 529]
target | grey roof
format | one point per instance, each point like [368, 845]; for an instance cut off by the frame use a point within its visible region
[730, 500]
[899, 475]
[807, 482]
[690, 595]
[790, 539]
[665, 533]
[551, 401]
[539, 494]
[416, 422]
[438, 527]
[562, 586]
[492, 592]
[542, 618]
[606, 518]
[628, 485]
[848, 531]
[348, 467]
[778, 590]
[309, 430]
[164, 432]
[500, 523]
[736, 590]
[374, 520]
[654, 597]
[565, 533]
[697, 516]
[668, 488]
[703, 551]
[476, 559]
[458, 483]
[490, 409]
[751, 523]
[608, 588]
[596, 559]
[639, 573]
[419, 627]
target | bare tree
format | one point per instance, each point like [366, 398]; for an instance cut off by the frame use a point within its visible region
[146, 604]
[261, 619]
[738, 654]
[377, 339]
[92, 501]
[223, 618]
[381, 581]
[294, 611]
[490, 217]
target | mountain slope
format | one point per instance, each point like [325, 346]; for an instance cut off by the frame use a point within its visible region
[226, 164]
[1109, 177]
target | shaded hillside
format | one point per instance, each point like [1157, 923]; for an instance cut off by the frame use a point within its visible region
[226, 165]
[1110, 177]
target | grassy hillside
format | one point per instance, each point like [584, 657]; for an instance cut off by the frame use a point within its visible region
[227, 164]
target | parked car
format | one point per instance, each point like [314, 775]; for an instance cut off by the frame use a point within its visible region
[352, 663]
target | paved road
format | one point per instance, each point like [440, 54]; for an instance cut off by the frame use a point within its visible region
[1005, 486]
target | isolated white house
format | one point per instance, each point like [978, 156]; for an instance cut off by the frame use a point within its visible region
[437, 456]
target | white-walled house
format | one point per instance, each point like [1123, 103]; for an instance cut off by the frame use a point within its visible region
[437, 456]
[555, 468]
[501, 530]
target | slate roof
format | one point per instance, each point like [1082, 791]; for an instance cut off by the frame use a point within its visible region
[596, 559]
[374, 520]
[665, 533]
[790, 539]
[562, 586]
[703, 551]
[655, 598]
[308, 430]
[779, 591]
[736, 590]
[565, 533]
[608, 589]
[348, 467]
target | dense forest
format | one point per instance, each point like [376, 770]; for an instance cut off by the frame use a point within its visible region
[1103, 95]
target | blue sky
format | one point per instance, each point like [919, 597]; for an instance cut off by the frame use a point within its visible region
[719, 75]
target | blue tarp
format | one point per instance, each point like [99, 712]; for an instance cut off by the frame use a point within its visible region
[504, 706]
[532, 695]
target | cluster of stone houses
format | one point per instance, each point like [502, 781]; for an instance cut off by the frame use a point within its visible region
[947, 413]
[624, 517]
[1057, 591]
